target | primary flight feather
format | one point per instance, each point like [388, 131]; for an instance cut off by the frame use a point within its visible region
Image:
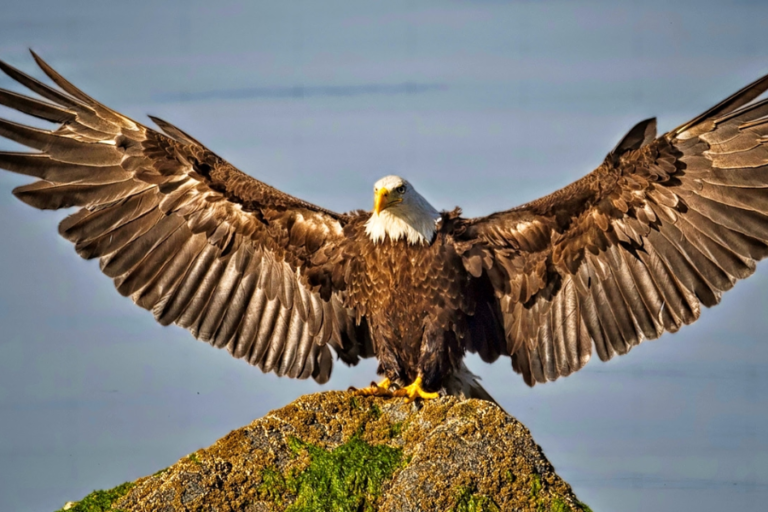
[631, 250]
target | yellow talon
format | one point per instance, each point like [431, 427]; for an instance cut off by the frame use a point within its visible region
[380, 389]
[414, 391]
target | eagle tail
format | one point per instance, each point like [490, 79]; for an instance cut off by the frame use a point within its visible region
[465, 384]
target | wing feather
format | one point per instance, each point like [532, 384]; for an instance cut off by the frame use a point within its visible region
[104, 245]
[46, 168]
[222, 297]
[165, 282]
[296, 329]
[236, 309]
[267, 325]
[249, 325]
[277, 341]
[152, 263]
[304, 348]
[631, 294]
[35, 108]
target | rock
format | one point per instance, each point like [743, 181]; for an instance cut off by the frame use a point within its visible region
[341, 452]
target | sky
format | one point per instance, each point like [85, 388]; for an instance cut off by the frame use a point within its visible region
[482, 104]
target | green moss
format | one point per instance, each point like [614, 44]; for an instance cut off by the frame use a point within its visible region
[558, 505]
[295, 444]
[194, 458]
[584, 507]
[99, 501]
[273, 486]
[396, 429]
[467, 500]
[347, 478]
[535, 485]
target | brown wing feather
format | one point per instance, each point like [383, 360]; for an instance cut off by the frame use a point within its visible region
[185, 234]
[634, 248]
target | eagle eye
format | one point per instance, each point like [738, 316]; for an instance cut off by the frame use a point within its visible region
[400, 189]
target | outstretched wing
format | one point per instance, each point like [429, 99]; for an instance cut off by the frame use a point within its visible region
[634, 248]
[185, 234]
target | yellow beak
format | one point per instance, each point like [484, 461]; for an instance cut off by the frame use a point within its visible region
[380, 200]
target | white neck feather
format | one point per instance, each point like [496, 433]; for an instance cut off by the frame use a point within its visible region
[414, 221]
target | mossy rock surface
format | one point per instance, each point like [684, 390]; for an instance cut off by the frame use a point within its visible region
[339, 452]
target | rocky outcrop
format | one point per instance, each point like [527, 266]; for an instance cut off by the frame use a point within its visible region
[341, 452]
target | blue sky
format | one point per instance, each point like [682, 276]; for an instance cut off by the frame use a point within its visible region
[485, 105]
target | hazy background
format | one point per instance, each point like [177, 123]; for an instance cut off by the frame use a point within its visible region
[485, 104]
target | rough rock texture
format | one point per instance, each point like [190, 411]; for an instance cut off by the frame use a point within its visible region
[336, 451]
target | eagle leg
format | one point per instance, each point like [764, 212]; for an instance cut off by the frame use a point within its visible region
[380, 389]
[414, 391]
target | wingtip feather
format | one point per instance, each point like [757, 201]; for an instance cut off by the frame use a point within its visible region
[704, 122]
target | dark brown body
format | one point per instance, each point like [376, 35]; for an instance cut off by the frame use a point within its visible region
[420, 304]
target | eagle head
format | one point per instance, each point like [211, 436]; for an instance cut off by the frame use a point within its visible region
[400, 212]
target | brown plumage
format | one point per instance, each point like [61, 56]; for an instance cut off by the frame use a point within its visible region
[626, 253]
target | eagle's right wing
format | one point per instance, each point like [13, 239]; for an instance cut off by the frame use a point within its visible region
[634, 248]
[185, 234]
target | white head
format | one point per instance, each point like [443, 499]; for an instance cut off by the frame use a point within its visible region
[400, 212]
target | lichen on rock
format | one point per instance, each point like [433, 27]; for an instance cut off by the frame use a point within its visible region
[341, 452]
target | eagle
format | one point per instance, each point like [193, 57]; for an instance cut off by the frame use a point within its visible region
[661, 227]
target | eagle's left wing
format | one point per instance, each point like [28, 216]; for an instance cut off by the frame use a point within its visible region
[187, 236]
[634, 248]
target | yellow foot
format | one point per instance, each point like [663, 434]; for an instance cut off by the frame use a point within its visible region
[380, 389]
[414, 391]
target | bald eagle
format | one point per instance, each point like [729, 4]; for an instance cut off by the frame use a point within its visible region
[662, 226]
